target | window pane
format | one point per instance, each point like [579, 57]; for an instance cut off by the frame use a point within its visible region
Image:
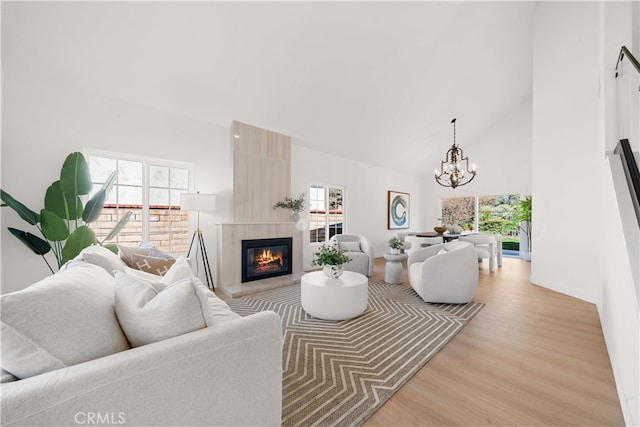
[317, 214]
[129, 195]
[179, 179]
[174, 197]
[101, 168]
[129, 173]
[131, 234]
[460, 211]
[497, 214]
[158, 176]
[158, 197]
[335, 211]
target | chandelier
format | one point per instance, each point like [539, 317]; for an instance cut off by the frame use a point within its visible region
[450, 173]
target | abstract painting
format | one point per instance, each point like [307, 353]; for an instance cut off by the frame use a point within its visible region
[397, 210]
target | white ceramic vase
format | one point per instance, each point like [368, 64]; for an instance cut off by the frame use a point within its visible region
[333, 271]
[295, 216]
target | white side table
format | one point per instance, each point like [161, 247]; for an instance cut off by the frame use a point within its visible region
[334, 299]
[393, 268]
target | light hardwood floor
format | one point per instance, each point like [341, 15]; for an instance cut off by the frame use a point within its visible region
[531, 357]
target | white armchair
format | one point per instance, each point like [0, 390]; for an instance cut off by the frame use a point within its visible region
[444, 273]
[357, 248]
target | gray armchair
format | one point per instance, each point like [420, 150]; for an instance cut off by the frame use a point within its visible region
[357, 248]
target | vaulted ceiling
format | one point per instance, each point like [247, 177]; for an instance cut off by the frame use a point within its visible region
[374, 81]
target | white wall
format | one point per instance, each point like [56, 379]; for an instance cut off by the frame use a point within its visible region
[366, 194]
[44, 120]
[567, 147]
[502, 154]
[619, 299]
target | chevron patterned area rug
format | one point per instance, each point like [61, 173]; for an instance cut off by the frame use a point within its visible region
[338, 373]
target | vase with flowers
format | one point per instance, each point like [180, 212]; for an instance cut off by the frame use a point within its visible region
[395, 243]
[332, 260]
[295, 205]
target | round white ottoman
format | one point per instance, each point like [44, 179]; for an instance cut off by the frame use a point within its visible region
[334, 299]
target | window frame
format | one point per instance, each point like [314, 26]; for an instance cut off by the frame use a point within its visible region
[327, 188]
[146, 161]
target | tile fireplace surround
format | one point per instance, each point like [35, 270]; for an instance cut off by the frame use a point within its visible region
[229, 256]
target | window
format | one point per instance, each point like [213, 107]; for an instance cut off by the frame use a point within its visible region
[326, 212]
[461, 211]
[487, 214]
[151, 189]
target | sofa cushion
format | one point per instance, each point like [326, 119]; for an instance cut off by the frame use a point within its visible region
[102, 257]
[151, 311]
[220, 311]
[151, 264]
[62, 320]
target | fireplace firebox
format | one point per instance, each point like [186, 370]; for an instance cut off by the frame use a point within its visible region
[263, 258]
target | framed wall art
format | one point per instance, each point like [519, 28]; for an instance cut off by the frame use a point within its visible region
[397, 210]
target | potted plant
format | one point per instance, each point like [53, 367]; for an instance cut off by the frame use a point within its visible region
[523, 217]
[63, 221]
[395, 243]
[332, 260]
[295, 205]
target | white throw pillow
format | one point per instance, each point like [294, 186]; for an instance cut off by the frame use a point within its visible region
[102, 257]
[151, 311]
[220, 310]
[350, 246]
[62, 320]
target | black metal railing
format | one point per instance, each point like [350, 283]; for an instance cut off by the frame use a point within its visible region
[623, 149]
[625, 52]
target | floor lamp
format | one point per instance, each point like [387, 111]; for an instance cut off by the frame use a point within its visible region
[199, 202]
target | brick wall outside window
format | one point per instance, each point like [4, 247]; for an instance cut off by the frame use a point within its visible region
[159, 219]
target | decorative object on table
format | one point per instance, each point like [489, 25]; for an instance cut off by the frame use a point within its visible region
[454, 228]
[332, 260]
[397, 210]
[450, 173]
[406, 343]
[63, 221]
[295, 205]
[523, 216]
[395, 243]
[440, 228]
[199, 202]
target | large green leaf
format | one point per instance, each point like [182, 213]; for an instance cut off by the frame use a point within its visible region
[94, 206]
[63, 205]
[109, 182]
[112, 247]
[24, 212]
[36, 244]
[119, 226]
[75, 178]
[53, 227]
[81, 237]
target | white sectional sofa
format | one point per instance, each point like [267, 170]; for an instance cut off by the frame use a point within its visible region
[72, 362]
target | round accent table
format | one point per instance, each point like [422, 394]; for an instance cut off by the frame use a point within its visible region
[334, 299]
[393, 268]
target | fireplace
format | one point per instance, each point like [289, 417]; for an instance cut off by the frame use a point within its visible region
[263, 258]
